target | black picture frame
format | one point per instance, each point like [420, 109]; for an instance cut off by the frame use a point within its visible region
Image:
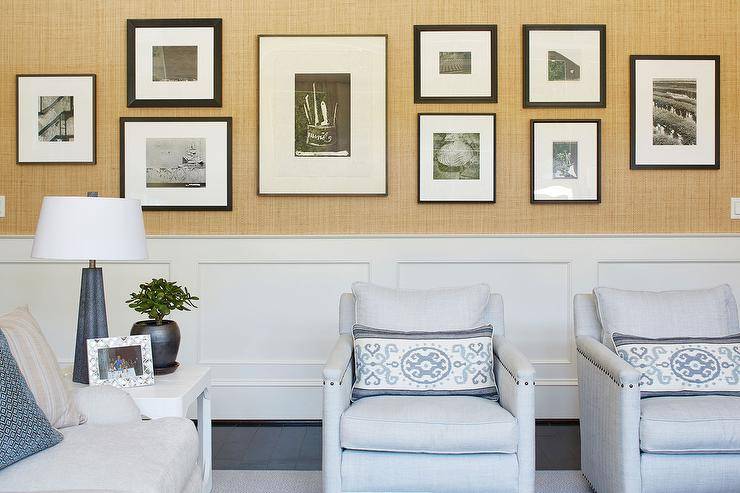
[418, 159]
[260, 193]
[133, 24]
[601, 28]
[418, 29]
[633, 150]
[94, 119]
[122, 160]
[532, 198]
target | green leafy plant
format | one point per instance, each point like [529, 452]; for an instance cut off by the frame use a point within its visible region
[159, 297]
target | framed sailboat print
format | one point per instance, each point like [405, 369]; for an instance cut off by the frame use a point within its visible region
[322, 115]
[177, 163]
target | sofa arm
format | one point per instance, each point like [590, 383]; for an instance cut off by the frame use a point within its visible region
[609, 396]
[515, 380]
[106, 405]
[339, 360]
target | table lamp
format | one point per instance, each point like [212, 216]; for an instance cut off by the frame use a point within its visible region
[90, 228]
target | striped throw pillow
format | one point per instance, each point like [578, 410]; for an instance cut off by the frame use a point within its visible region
[389, 362]
[39, 367]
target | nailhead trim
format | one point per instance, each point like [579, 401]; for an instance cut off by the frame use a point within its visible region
[589, 482]
[603, 370]
[518, 382]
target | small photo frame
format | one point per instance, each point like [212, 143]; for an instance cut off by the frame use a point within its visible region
[566, 161]
[674, 111]
[177, 163]
[455, 64]
[55, 118]
[457, 157]
[120, 361]
[564, 65]
[174, 62]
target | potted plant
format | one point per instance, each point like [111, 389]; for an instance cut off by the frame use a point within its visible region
[157, 299]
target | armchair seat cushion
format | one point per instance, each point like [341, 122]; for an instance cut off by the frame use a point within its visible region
[690, 425]
[429, 424]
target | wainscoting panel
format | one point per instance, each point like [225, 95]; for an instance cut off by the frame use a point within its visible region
[268, 312]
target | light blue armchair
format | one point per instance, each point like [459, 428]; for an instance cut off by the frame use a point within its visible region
[429, 443]
[686, 444]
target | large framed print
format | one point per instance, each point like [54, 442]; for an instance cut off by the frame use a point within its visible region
[457, 157]
[564, 65]
[565, 161]
[455, 64]
[55, 119]
[674, 111]
[174, 62]
[120, 361]
[177, 163]
[322, 115]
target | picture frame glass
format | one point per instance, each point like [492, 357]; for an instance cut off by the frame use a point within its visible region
[674, 112]
[457, 155]
[565, 161]
[456, 64]
[177, 163]
[120, 361]
[322, 115]
[56, 119]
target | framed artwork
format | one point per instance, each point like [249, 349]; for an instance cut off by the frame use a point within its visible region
[322, 115]
[120, 361]
[455, 64]
[55, 119]
[564, 65]
[177, 163]
[674, 111]
[457, 157]
[174, 62]
[566, 161]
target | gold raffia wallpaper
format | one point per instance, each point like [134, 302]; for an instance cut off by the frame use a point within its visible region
[89, 36]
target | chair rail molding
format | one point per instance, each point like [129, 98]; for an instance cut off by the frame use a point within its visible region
[268, 311]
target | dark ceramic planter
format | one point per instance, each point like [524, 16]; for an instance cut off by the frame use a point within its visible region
[165, 343]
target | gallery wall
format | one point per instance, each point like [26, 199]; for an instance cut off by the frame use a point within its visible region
[89, 36]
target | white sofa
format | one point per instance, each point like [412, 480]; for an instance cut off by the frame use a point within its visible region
[114, 451]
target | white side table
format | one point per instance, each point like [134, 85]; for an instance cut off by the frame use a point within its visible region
[171, 396]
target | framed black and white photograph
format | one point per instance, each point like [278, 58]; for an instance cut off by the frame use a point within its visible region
[457, 157]
[674, 111]
[55, 118]
[177, 163]
[455, 64]
[120, 361]
[322, 115]
[174, 62]
[565, 161]
[564, 65]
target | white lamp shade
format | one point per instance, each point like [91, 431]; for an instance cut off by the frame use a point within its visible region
[90, 228]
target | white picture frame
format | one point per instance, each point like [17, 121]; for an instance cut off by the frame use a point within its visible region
[55, 118]
[120, 361]
[457, 157]
[565, 161]
[344, 109]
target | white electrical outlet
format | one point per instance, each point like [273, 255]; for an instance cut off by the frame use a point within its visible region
[734, 208]
[2, 205]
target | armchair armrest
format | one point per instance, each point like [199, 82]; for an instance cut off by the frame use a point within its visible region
[515, 380]
[609, 396]
[106, 405]
[339, 360]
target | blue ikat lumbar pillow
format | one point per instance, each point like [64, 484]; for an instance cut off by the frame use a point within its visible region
[683, 365]
[424, 363]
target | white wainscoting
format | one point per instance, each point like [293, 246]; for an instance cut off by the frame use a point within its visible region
[269, 304]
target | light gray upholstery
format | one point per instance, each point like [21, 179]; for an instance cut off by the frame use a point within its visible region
[106, 405]
[156, 456]
[429, 424]
[611, 425]
[690, 425]
[361, 470]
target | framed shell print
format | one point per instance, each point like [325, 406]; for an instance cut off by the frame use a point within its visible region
[564, 65]
[674, 111]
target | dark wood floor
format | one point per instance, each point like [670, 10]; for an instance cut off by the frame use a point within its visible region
[297, 446]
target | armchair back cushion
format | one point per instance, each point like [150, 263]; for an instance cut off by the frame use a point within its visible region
[695, 313]
[423, 310]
